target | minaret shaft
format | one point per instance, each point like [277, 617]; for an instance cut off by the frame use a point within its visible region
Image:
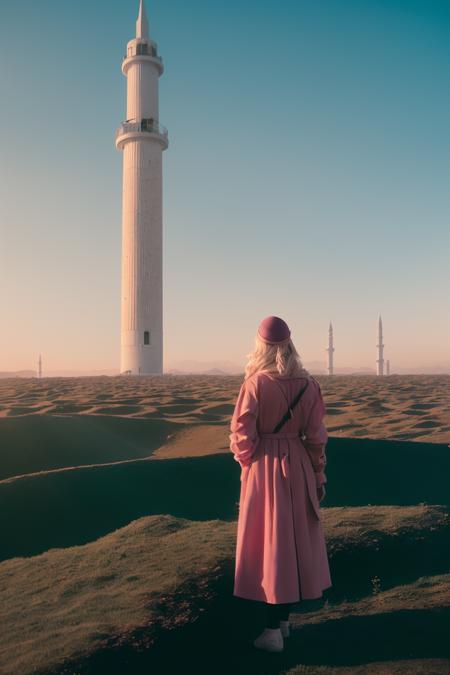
[142, 91]
[142, 140]
[380, 346]
[330, 350]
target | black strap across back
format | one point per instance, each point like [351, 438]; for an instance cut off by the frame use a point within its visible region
[288, 415]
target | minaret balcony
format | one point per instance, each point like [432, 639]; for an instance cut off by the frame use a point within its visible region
[140, 50]
[145, 129]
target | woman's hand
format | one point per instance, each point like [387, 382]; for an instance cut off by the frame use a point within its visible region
[321, 492]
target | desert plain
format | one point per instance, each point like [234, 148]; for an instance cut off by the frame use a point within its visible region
[118, 508]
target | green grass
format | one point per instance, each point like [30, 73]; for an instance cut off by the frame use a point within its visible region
[71, 601]
[138, 597]
[43, 442]
[83, 504]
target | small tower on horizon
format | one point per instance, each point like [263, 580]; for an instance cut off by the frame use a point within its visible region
[330, 350]
[380, 346]
[40, 366]
[388, 367]
[142, 139]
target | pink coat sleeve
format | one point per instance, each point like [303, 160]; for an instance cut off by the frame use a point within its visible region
[317, 437]
[244, 434]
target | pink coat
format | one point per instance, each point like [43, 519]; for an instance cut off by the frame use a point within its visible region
[281, 553]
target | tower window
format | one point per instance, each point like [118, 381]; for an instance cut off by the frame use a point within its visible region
[146, 337]
[141, 48]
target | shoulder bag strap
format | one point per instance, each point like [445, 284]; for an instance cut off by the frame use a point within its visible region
[289, 413]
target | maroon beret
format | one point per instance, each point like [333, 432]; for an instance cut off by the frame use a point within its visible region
[274, 330]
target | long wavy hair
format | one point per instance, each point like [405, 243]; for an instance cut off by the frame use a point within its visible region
[281, 360]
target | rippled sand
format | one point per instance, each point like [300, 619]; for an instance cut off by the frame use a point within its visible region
[402, 407]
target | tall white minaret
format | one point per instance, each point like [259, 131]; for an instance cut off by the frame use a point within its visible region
[40, 366]
[380, 345]
[330, 350]
[142, 139]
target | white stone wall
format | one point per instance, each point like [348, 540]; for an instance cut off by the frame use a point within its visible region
[142, 90]
[142, 293]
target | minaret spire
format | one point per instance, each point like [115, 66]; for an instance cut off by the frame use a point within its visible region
[142, 22]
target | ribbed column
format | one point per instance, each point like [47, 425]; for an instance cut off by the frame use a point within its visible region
[142, 91]
[130, 237]
[142, 294]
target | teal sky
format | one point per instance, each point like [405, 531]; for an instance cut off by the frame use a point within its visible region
[307, 176]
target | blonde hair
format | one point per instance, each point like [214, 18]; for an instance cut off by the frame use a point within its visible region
[281, 360]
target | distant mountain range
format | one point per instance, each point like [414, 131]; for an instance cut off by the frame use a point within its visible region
[229, 368]
[18, 373]
[314, 367]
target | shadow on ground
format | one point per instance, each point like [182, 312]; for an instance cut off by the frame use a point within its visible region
[81, 505]
[220, 641]
[44, 442]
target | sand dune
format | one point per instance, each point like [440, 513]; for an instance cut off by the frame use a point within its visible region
[58, 423]
[403, 407]
[195, 441]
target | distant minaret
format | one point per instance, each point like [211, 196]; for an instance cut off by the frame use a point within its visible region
[380, 346]
[40, 367]
[142, 139]
[388, 367]
[330, 350]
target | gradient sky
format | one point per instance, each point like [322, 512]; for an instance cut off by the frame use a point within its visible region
[307, 176]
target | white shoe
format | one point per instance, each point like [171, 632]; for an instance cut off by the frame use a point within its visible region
[270, 639]
[284, 627]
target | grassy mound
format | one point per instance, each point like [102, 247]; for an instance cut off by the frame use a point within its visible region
[104, 498]
[70, 602]
[39, 443]
[155, 591]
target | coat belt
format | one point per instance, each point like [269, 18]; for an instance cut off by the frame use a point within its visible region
[284, 454]
[309, 473]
